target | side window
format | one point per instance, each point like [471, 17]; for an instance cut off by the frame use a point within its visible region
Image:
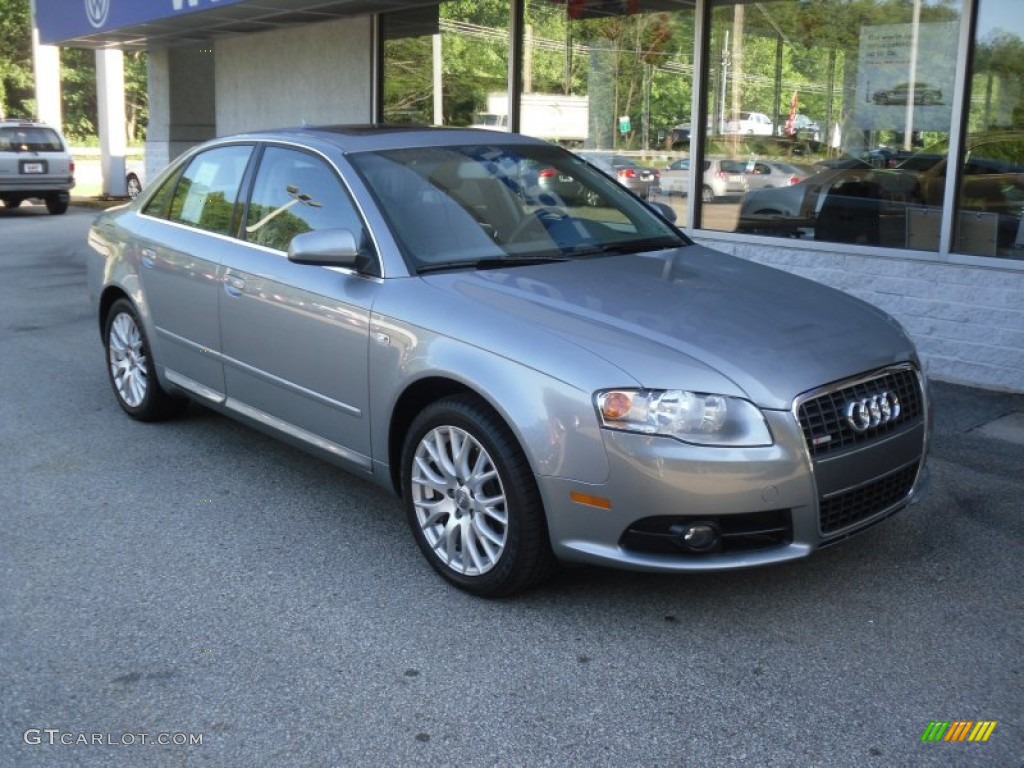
[296, 192]
[208, 190]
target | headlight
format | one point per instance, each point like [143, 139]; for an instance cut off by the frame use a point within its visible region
[692, 417]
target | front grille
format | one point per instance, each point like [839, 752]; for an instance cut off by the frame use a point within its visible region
[851, 507]
[823, 417]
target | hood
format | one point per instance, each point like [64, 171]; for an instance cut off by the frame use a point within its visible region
[691, 318]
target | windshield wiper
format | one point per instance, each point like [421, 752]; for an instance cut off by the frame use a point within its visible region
[627, 246]
[490, 263]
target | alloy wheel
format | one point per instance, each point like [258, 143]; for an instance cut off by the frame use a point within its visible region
[127, 357]
[459, 501]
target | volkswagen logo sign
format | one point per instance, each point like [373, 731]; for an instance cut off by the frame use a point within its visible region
[97, 11]
[873, 411]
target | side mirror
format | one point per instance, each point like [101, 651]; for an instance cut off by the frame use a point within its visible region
[326, 248]
[666, 211]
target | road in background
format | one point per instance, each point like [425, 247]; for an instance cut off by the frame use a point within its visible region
[197, 579]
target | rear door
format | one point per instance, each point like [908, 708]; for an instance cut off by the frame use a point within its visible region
[184, 233]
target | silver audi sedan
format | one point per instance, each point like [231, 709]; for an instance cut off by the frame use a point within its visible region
[539, 379]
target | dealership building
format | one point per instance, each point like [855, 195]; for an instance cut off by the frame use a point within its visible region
[867, 102]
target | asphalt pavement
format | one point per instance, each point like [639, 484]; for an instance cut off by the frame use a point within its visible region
[197, 594]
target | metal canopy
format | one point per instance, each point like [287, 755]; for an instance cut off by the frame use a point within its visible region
[138, 24]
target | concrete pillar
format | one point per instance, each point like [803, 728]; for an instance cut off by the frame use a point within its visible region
[46, 63]
[113, 140]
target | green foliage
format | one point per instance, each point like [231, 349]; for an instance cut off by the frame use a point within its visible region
[78, 86]
[16, 82]
[78, 79]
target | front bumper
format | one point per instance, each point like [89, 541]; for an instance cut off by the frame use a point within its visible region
[769, 504]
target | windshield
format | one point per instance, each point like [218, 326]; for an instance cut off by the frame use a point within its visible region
[490, 205]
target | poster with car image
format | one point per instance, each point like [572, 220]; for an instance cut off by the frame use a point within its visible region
[905, 81]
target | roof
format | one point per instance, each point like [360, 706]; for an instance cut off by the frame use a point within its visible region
[140, 24]
[371, 137]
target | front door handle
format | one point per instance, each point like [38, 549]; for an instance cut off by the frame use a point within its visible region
[234, 285]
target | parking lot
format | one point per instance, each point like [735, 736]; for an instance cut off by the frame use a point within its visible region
[238, 603]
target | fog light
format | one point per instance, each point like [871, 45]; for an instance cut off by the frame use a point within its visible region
[698, 537]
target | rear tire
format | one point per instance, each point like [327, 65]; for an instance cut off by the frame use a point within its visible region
[57, 204]
[472, 501]
[130, 367]
[13, 203]
[707, 194]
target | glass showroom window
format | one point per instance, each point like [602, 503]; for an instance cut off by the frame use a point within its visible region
[855, 99]
[444, 63]
[991, 186]
[614, 79]
[607, 74]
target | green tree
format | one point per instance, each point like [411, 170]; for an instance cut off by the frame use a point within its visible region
[16, 89]
[78, 86]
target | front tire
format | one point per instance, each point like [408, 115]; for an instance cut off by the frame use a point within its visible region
[472, 501]
[130, 367]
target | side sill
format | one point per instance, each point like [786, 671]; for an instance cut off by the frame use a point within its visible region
[194, 387]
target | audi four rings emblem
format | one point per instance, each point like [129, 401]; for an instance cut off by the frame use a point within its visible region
[872, 411]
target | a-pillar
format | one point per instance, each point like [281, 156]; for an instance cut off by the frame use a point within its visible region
[113, 140]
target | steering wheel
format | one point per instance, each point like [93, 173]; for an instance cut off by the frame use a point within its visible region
[547, 216]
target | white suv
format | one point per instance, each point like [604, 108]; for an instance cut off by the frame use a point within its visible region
[34, 164]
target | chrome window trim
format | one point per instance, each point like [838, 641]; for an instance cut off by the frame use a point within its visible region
[259, 144]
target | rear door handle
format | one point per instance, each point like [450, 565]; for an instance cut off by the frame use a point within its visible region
[148, 257]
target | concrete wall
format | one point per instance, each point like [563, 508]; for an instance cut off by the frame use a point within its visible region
[181, 103]
[317, 74]
[966, 318]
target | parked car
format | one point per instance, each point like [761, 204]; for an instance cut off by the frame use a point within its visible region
[900, 94]
[637, 178]
[538, 384]
[802, 127]
[766, 174]
[678, 136]
[795, 209]
[557, 187]
[722, 178]
[750, 123]
[35, 164]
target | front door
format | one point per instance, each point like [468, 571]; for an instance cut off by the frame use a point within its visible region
[295, 337]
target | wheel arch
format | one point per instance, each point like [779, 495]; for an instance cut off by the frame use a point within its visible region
[553, 423]
[417, 396]
[110, 294]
